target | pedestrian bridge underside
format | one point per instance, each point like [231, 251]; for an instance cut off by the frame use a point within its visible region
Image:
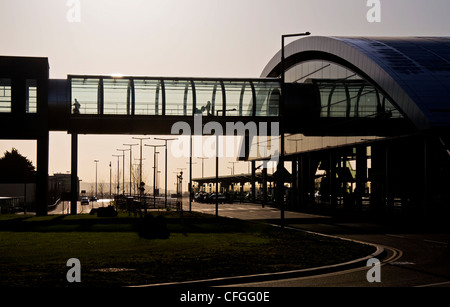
[151, 105]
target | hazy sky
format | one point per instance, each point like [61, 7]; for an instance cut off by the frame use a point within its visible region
[187, 38]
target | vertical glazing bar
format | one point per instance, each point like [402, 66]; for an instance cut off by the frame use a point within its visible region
[213, 98]
[185, 98]
[100, 102]
[194, 97]
[348, 99]
[157, 99]
[163, 91]
[358, 99]
[130, 98]
[224, 97]
[254, 98]
[241, 99]
[330, 97]
[380, 107]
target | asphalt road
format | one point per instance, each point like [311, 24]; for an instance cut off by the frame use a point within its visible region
[64, 207]
[415, 256]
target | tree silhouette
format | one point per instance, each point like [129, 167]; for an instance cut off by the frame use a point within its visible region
[15, 168]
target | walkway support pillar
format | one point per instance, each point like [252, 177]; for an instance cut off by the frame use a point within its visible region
[74, 175]
[42, 176]
[253, 183]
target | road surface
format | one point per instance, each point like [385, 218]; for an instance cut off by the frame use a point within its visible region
[415, 257]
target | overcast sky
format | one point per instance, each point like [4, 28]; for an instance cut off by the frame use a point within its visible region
[184, 38]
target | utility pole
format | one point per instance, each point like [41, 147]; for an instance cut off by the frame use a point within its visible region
[118, 171]
[140, 165]
[154, 169]
[123, 168]
[165, 170]
[203, 159]
[234, 162]
[190, 182]
[131, 163]
[96, 162]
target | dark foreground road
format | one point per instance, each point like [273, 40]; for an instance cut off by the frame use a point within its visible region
[415, 256]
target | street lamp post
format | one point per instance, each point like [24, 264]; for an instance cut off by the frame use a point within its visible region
[203, 159]
[190, 179]
[140, 165]
[280, 167]
[165, 167]
[154, 169]
[234, 162]
[217, 162]
[131, 163]
[123, 168]
[96, 162]
[118, 171]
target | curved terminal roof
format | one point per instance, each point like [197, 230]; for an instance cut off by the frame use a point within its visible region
[413, 71]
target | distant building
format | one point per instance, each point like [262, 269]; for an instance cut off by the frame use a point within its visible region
[59, 186]
[18, 195]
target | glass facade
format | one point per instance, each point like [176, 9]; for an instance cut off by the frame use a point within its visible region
[31, 96]
[178, 97]
[116, 96]
[209, 97]
[267, 98]
[343, 93]
[5, 95]
[147, 97]
[85, 95]
[170, 97]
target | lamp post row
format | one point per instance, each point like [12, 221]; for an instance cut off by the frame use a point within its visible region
[166, 140]
[131, 166]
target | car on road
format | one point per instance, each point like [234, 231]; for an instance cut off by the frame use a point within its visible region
[211, 198]
[200, 197]
[84, 201]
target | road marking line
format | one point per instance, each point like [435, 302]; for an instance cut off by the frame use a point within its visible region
[437, 242]
[401, 263]
[435, 284]
[397, 236]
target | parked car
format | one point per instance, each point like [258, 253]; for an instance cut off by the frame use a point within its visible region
[211, 198]
[84, 201]
[200, 197]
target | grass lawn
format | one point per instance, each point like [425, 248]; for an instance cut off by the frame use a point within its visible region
[34, 250]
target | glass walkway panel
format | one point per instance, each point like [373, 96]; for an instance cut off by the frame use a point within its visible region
[104, 95]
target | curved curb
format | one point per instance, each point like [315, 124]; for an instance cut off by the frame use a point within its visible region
[221, 281]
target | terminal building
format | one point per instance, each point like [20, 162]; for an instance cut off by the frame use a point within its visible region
[376, 134]
[365, 121]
